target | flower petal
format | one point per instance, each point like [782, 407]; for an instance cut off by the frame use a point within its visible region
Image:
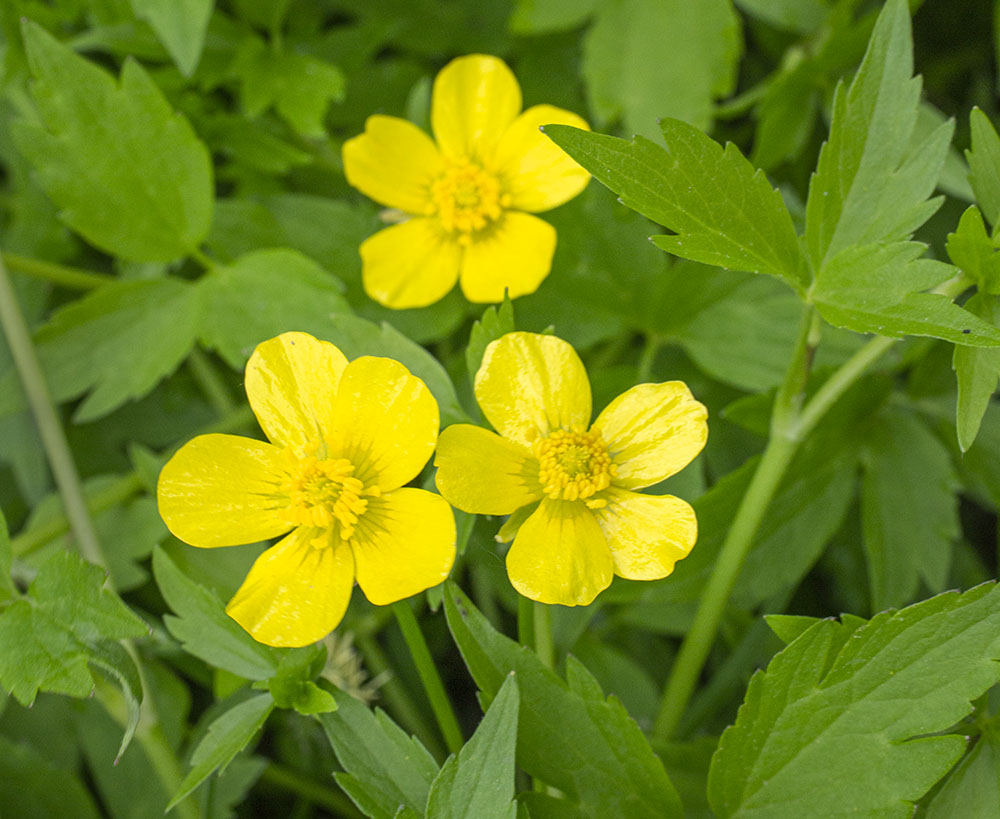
[531, 384]
[393, 162]
[223, 490]
[515, 254]
[290, 383]
[647, 534]
[403, 544]
[560, 555]
[474, 99]
[296, 592]
[482, 473]
[535, 172]
[653, 431]
[387, 422]
[410, 265]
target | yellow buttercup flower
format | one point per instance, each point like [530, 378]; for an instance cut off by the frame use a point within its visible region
[569, 486]
[467, 199]
[344, 438]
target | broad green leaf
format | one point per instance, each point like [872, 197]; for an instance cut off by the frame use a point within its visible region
[569, 735]
[984, 165]
[204, 628]
[227, 736]
[909, 509]
[496, 321]
[973, 788]
[971, 249]
[480, 780]
[647, 59]
[180, 25]
[723, 211]
[977, 371]
[546, 16]
[383, 767]
[843, 721]
[7, 590]
[32, 788]
[263, 294]
[125, 170]
[871, 183]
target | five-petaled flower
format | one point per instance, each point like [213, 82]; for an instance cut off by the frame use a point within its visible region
[470, 196]
[568, 487]
[345, 437]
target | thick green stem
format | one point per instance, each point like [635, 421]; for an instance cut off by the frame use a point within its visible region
[70, 277]
[287, 779]
[543, 635]
[525, 621]
[429, 676]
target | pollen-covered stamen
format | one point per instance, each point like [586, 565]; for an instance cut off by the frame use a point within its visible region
[466, 198]
[574, 465]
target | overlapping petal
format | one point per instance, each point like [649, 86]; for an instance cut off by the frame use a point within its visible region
[482, 473]
[530, 384]
[473, 101]
[537, 174]
[404, 544]
[412, 264]
[647, 534]
[653, 431]
[297, 591]
[560, 555]
[290, 382]
[387, 422]
[223, 490]
[513, 255]
[394, 163]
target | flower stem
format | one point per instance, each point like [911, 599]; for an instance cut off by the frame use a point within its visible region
[429, 676]
[647, 358]
[543, 634]
[70, 277]
[525, 621]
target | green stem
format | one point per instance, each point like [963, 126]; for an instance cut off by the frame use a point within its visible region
[287, 779]
[202, 258]
[647, 358]
[525, 621]
[543, 635]
[429, 676]
[210, 382]
[46, 417]
[71, 277]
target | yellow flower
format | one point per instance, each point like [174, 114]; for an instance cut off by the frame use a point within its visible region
[468, 197]
[344, 438]
[570, 487]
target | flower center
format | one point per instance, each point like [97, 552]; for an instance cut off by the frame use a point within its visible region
[323, 493]
[573, 465]
[465, 199]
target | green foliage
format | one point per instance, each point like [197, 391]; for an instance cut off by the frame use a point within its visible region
[984, 162]
[496, 321]
[973, 787]
[180, 26]
[33, 788]
[7, 590]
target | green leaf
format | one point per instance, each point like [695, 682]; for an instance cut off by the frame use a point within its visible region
[384, 768]
[32, 788]
[789, 626]
[263, 294]
[974, 252]
[480, 780]
[909, 509]
[723, 211]
[204, 628]
[227, 736]
[496, 321]
[180, 25]
[984, 165]
[871, 183]
[126, 171]
[546, 16]
[977, 371]
[802, 16]
[569, 736]
[117, 663]
[292, 685]
[637, 48]
[7, 590]
[973, 788]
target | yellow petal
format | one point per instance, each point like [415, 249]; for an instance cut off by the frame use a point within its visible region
[653, 431]
[535, 172]
[482, 473]
[410, 265]
[387, 422]
[223, 490]
[290, 383]
[403, 544]
[393, 162]
[531, 384]
[560, 555]
[474, 99]
[297, 591]
[647, 534]
[514, 255]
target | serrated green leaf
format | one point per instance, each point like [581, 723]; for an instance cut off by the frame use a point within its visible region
[977, 371]
[842, 721]
[973, 788]
[496, 321]
[292, 685]
[480, 780]
[574, 739]
[180, 25]
[263, 294]
[788, 627]
[723, 211]
[118, 664]
[227, 736]
[984, 165]
[974, 252]
[32, 788]
[385, 768]
[126, 171]
[204, 628]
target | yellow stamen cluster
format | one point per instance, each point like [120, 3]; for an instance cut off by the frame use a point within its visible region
[323, 492]
[574, 465]
[466, 199]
